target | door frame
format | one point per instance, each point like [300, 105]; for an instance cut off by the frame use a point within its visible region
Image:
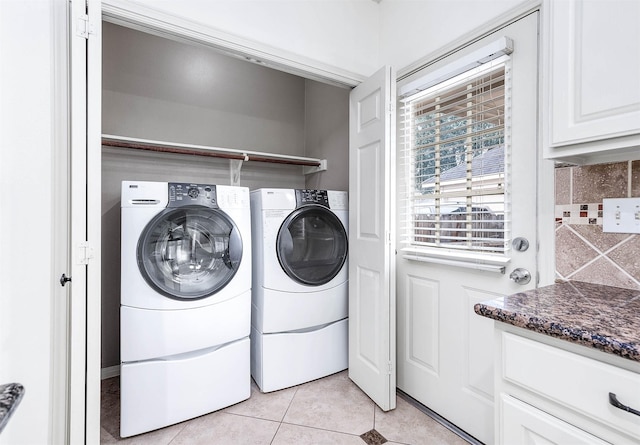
[84, 191]
[83, 411]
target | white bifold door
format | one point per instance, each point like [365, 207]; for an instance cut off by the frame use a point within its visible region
[372, 330]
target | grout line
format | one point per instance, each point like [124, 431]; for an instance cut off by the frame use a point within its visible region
[562, 277]
[571, 185]
[629, 178]
[178, 433]
[285, 414]
[608, 251]
[597, 257]
[584, 266]
[602, 254]
[585, 240]
[275, 434]
[317, 428]
[290, 403]
[624, 272]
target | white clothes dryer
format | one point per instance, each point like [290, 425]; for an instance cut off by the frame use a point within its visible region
[185, 302]
[300, 286]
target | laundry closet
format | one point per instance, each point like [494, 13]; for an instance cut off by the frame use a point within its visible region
[161, 89]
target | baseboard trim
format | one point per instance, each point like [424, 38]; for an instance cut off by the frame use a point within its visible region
[111, 371]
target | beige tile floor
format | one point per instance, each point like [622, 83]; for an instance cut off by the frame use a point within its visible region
[328, 411]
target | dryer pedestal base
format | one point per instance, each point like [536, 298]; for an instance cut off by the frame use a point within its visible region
[158, 393]
[287, 359]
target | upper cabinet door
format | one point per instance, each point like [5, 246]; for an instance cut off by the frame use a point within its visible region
[592, 80]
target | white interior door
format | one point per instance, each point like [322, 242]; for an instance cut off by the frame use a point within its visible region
[85, 218]
[372, 327]
[445, 350]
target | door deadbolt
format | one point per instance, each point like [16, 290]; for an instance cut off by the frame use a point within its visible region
[520, 244]
[520, 276]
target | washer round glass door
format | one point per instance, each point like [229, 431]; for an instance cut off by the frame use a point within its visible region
[189, 252]
[312, 245]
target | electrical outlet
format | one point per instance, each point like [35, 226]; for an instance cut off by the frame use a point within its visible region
[621, 215]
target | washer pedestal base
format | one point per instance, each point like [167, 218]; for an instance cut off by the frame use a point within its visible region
[158, 393]
[287, 359]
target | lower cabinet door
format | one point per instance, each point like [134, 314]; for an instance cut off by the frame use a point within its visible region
[524, 424]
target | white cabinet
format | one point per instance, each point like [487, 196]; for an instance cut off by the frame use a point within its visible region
[525, 424]
[547, 393]
[591, 82]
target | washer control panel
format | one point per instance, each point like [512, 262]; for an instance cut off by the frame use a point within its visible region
[306, 197]
[183, 194]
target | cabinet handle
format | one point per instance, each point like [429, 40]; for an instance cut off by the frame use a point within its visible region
[614, 401]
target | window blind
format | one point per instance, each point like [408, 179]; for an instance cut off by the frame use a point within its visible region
[455, 148]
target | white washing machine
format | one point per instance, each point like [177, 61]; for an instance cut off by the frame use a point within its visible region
[299, 311]
[185, 311]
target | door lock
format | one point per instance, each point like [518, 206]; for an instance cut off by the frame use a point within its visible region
[520, 276]
[520, 244]
[64, 280]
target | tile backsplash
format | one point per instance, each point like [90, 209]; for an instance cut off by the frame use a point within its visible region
[583, 251]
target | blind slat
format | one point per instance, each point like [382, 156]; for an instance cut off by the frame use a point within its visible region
[455, 158]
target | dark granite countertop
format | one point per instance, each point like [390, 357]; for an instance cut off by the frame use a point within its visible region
[601, 317]
[10, 396]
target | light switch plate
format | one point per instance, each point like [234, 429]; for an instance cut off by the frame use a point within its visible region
[621, 215]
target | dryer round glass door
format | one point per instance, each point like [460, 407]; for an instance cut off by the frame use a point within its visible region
[312, 245]
[189, 252]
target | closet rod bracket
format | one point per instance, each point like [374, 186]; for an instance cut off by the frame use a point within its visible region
[320, 168]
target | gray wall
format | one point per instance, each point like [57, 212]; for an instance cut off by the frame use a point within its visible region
[154, 88]
[327, 134]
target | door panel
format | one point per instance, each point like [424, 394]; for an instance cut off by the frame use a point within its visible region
[371, 260]
[479, 364]
[421, 331]
[445, 358]
[368, 312]
[367, 161]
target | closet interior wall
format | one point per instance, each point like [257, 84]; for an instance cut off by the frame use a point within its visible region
[161, 89]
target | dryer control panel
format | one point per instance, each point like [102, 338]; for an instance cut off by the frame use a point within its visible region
[306, 197]
[183, 194]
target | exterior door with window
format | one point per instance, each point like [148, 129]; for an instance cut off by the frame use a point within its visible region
[468, 178]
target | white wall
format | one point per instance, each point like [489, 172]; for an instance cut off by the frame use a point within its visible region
[340, 33]
[355, 36]
[28, 292]
[327, 134]
[156, 88]
[412, 30]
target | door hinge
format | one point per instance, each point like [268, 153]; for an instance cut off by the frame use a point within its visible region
[85, 252]
[84, 27]
[390, 368]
